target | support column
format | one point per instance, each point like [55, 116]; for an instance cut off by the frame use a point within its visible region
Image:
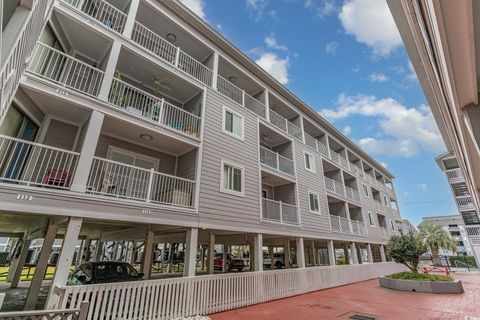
[88, 250]
[332, 259]
[287, 254]
[65, 259]
[98, 250]
[353, 251]
[382, 253]
[369, 253]
[300, 253]
[224, 257]
[347, 255]
[258, 251]
[18, 264]
[211, 253]
[79, 183]
[215, 70]
[272, 258]
[131, 15]
[41, 266]
[147, 255]
[190, 253]
[314, 256]
[109, 71]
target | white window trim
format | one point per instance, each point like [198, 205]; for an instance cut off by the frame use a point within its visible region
[318, 201]
[313, 169]
[242, 136]
[266, 193]
[371, 219]
[222, 178]
[365, 187]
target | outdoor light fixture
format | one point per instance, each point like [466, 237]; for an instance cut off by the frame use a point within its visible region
[171, 37]
[232, 79]
[146, 137]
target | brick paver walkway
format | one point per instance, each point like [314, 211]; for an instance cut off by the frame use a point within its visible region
[368, 298]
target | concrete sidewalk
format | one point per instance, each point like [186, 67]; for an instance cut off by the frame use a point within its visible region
[368, 298]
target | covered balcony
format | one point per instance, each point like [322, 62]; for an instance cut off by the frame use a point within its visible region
[355, 164]
[345, 217]
[284, 117]
[383, 226]
[462, 196]
[157, 34]
[338, 153]
[351, 187]
[279, 202]
[315, 138]
[276, 152]
[356, 219]
[333, 179]
[379, 180]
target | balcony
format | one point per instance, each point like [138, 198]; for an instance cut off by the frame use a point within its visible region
[64, 70]
[334, 187]
[385, 233]
[464, 202]
[344, 225]
[378, 205]
[277, 162]
[119, 180]
[352, 194]
[473, 231]
[152, 108]
[455, 175]
[278, 211]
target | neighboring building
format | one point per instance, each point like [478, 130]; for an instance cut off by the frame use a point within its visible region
[136, 121]
[441, 38]
[454, 226]
[408, 227]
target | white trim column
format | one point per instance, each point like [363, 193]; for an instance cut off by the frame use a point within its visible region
[65, 259]
[211, 252]
[131, 15]
[267, 105]
[369, 252]
[258, 252]
[300, 253]
[147, 255]
[332, 259]
[190, 253]
[382, 253]
[41, 266]
[215, 70]
[18, 263]
[314, 256]
[80, 179]
[353, 251]
[109, 70]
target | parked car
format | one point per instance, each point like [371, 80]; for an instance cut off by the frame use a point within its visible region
[233, 263]
[103, 272]
[278, 260]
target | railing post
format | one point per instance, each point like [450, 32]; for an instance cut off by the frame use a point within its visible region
[278, 161]
[109, 71]
[177, 57]
[243, 98]
[215, 70]
[281, 212]
[150, 184]
[160, 114]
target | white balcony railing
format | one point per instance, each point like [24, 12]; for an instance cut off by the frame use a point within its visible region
[294, 131]
[278, 121]
[473, 231]
[352, 194]
[65, 70]
[335, 156]
[13, 61]
[276, 161]
[103, 12]
[310, 141]
[116, 179]
[171, 54]
[378, 205]
[35, 164]
[156, 109]
[344, 225]
[323, 149]
[254, 105]
[334, 186]
[455, 175]
[279, 212]
[464, 202]
[344, 162]
[358, 227]
[385, 232]
[230, 90]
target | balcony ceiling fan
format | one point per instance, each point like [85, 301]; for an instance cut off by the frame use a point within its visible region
[158, 82]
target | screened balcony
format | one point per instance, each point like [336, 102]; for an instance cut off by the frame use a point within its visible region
[278, 204]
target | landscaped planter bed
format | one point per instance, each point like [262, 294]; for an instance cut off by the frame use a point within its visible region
[432, 286]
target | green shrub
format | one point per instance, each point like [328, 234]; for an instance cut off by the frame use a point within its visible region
[419, 276]
[463, 260]
[341, 261]
[406, 249]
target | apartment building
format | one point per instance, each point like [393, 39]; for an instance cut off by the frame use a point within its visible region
[135, 121]
[441, 40]
[454, 226]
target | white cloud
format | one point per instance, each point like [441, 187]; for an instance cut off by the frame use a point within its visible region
[371, 22]
[347, 130]
[322, 10]
[274, 65]
[412, 76]
[384, 164]
[197, 6]
[258, 8]
[404, 131]
[272, 43]
[422, 186]
[331, 47]
[377, 77]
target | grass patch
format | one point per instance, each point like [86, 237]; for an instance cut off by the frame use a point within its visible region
[419, 276]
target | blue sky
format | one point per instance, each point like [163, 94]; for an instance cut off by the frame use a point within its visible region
[346, 60]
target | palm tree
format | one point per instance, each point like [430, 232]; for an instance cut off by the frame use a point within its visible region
[435, 237]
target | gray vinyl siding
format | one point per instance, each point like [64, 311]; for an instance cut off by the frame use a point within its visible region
[186, 165]
[166, 162]
[215, 206]
[61, 135]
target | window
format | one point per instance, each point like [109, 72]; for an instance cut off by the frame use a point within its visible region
[371, 220]
[314, 203]
[392, 225]
[264, 194]
[365, 190]
[385, 201]
[232, 123]
[232, 179]
[309, 162]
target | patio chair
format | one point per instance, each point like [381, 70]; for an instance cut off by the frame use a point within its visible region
[56, 177]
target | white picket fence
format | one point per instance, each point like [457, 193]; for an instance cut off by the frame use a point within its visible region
[182, 297]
